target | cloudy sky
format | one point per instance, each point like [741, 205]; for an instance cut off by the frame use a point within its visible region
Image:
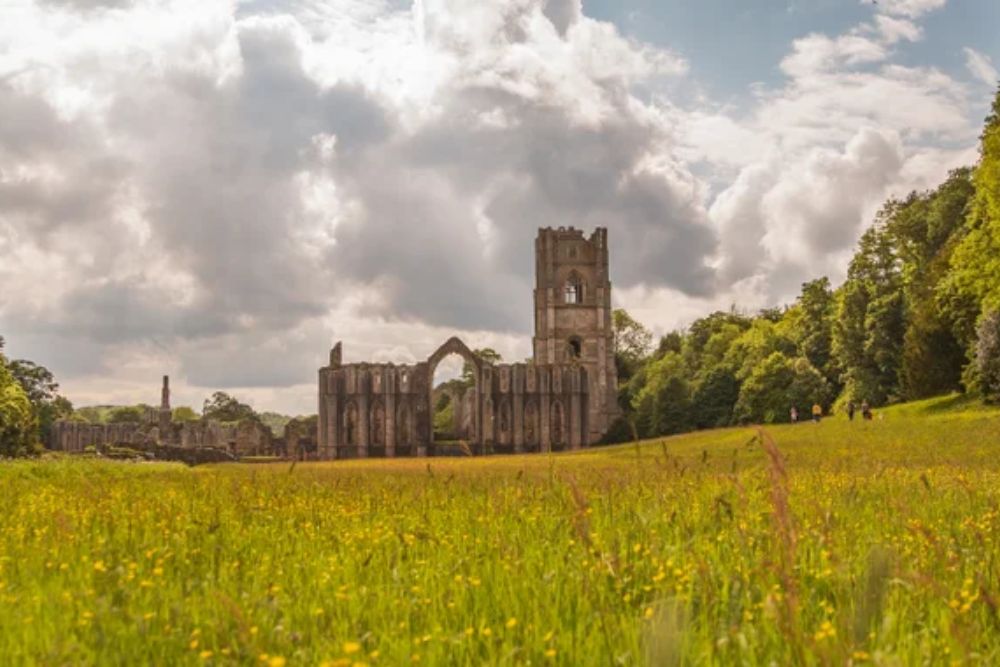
[218, 190]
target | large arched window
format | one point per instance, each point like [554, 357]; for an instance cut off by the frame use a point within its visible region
[378, 425]
[573, 292]
[351, 424]
[504, 436]
[530, 423]
[403, 435]
[557, 426]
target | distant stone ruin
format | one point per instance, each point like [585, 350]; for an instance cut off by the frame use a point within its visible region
[158, 428]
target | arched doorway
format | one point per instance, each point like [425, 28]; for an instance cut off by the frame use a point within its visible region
[454, 377]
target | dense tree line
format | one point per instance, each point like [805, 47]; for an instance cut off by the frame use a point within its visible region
[918, 315]
[29, 405]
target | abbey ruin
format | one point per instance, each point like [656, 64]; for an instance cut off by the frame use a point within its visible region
[159, 428]
[564, 398]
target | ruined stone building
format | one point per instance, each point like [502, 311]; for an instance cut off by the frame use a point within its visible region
[244, 438]
[564, 398]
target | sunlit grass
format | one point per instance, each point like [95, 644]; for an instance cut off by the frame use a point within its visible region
[671, 548]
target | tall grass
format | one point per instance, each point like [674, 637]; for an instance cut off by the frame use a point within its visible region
[862, 543]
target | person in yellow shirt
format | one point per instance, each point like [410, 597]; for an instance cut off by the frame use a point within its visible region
[817, 412]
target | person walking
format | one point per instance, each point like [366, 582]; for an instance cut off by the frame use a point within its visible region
[850, 411]
[866, 410]
[793, 414]
[817, 412]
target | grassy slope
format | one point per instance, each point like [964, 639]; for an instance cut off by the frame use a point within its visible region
[882, 549]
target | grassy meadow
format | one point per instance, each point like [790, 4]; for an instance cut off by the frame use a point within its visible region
[830, 544]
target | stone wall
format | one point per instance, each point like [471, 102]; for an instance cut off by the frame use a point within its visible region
[244, 438]
[387, 409]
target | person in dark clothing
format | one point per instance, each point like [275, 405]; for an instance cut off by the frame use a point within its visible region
[866, 410]
[850, 411]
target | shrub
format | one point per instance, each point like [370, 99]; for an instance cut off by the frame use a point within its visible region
[18, 424]
[988, 356]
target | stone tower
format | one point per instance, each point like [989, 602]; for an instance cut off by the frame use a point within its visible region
[573, 315]
[165, 413]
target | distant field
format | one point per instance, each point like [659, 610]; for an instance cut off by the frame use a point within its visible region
[871, 543]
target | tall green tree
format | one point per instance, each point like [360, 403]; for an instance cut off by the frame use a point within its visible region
[714, 397]
[870, 323]
[223, 407]
[925, 228]
[663, 405]
[486, 355]
[18, 423]
[632, 343]
[759, 341]
[43, 391]
[809, 324]
[975, 265]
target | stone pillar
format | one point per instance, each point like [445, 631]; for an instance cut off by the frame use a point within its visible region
[165, 417]
[328, 424]
[389, 384]
[517, 405]
[457, 411]
[419, 431]
[364, 420]
[544, 410]
[322, 418]
[477, 415]
[575, 420]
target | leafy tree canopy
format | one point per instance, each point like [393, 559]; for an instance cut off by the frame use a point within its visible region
[18, 423]
[223, 407]
[486, 355]
[184, 413]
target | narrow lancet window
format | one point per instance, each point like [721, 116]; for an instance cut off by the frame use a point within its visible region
[574, 289]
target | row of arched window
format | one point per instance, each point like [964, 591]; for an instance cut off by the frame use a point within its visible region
[351, 423]
[532, 429]
[502, 419]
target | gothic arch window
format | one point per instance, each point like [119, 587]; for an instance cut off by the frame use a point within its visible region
[573, 292]
[378, 425]
[488, 420]
[530, 423]
[504, 422]
[403, 425]
[351, 424]
[558, 425]
[574, 347]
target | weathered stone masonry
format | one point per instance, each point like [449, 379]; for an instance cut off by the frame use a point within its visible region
[565, 398]
[244, 438]
[387, 410]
